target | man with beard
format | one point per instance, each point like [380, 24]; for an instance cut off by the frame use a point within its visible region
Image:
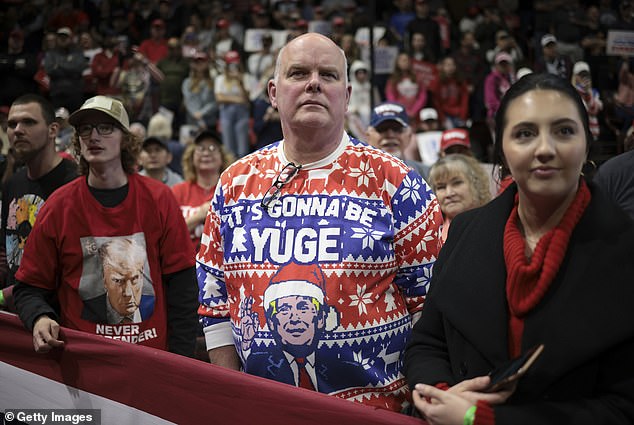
[31, 128]
[389, 131]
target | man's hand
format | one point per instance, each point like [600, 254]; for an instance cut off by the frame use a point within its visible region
[225, 356]
[201, 212]
[45, 334]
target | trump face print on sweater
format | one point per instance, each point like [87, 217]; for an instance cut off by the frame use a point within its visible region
[319, 287]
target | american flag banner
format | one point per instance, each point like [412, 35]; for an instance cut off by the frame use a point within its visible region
[132, 384]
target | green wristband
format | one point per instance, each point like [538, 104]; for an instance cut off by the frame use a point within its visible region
[1, 297]
[469, 416]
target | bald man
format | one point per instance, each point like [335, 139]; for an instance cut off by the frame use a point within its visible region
[363, 221]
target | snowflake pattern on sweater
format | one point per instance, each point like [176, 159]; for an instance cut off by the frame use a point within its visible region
[328, 277]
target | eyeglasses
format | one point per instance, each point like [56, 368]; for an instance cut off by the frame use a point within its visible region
[289, 171]
[203, 148]
[103, 129]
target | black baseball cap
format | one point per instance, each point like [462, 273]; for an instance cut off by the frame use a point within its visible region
[155, 141]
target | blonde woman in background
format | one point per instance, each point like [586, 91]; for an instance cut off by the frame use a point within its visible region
[460, 184]
[203, 161]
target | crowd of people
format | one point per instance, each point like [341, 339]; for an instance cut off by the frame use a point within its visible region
[206, 64]
[235, 182]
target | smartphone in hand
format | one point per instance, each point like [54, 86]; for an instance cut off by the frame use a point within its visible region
[512, 370]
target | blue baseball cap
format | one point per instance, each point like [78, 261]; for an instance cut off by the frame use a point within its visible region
[389, 111]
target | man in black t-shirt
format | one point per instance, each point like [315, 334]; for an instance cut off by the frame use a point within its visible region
[616, 178]
[31, 128]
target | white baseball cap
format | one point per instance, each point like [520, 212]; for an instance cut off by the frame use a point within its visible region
[580, 67]
[522, 72]
[428, 114]
[547, 39]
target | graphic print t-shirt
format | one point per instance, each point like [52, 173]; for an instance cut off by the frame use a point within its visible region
[22, 199]
[63, 254]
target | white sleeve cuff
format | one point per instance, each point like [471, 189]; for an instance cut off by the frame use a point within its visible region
[218, 335]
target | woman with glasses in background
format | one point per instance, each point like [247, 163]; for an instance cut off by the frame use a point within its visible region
[203, 161]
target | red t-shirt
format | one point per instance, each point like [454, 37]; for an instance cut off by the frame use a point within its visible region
[65, 251]
[154, 50]
[102, 68]
[190, 196]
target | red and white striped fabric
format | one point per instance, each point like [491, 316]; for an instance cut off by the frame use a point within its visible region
[139, 385]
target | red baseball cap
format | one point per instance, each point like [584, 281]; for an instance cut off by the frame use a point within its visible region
[454, 137]
[232, 57]
[158, 23]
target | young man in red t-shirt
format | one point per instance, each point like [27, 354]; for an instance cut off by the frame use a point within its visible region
[74, 251]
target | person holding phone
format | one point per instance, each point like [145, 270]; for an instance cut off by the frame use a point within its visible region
[530, 268]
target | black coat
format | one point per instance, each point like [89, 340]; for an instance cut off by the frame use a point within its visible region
[586, 319]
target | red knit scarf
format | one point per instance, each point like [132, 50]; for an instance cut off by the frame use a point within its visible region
[528, 280]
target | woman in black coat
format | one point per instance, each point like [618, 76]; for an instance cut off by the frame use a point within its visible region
[547, 262]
